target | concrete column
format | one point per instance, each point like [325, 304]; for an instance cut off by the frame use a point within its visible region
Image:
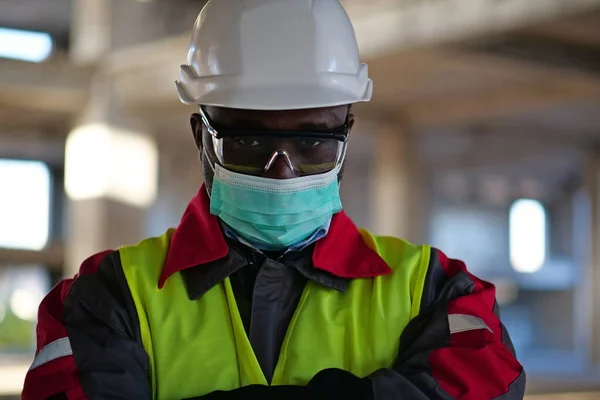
[398, 206]
[591, 271]
[90, 30]
[111, 160]
[100, 224]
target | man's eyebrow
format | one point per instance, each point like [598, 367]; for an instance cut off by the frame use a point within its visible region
[244, 123]
[253, 124]
[314, 127]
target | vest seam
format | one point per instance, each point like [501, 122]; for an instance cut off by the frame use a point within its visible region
[291, 327]
[417, 291]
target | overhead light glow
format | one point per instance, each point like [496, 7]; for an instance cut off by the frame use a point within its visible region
[25, 45]
[103, 161]
[24, 304]
[527, 221]
[29, 285]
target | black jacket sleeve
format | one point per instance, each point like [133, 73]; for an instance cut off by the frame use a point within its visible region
[94, 320]
[457, 348]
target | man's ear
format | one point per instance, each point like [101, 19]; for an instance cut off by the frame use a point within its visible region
[351, 121]
[196, 123]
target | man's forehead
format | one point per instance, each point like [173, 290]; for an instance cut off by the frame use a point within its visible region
[329, 117]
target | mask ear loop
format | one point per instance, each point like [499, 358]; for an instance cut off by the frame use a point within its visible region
[210, 162]
[341, 160]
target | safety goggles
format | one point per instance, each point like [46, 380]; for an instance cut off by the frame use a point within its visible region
[255, 151]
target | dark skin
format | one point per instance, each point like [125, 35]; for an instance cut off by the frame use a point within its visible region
[315, 119]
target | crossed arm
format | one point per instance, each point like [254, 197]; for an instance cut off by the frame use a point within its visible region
[88, 345]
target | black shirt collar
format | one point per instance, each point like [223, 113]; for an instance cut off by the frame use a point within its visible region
[201, 278]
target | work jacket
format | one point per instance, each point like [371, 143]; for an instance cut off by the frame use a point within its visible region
[193, 311]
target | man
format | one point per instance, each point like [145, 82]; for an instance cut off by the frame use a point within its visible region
[266, 289]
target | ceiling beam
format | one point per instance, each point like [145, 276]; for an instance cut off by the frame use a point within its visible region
[400, 25]
[552, 53]
[32, 146]
[54, 86]
[494, 103]
[52, 257]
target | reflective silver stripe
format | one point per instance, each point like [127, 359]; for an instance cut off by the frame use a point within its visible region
[57, 349]
[463, 323]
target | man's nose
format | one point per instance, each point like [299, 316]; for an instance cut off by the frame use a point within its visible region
[280, 169]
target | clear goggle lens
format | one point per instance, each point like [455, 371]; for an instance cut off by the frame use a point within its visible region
[253, 153]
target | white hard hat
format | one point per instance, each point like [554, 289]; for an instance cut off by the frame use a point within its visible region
[273, 55]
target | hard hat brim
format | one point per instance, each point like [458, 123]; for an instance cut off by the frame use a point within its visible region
[275, 98]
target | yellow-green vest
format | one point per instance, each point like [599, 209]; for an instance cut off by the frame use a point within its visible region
[196, 347]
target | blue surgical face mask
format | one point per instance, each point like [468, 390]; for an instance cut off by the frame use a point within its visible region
[275, 213]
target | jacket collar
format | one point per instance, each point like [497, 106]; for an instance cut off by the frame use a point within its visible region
[199, 240]
[200, 279]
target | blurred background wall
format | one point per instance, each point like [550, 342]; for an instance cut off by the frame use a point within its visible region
[482, 139]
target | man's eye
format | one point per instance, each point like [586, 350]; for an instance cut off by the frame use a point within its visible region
[248, 142]
[311, 143]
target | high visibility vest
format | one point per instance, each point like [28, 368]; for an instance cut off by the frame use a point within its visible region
[198, 346]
